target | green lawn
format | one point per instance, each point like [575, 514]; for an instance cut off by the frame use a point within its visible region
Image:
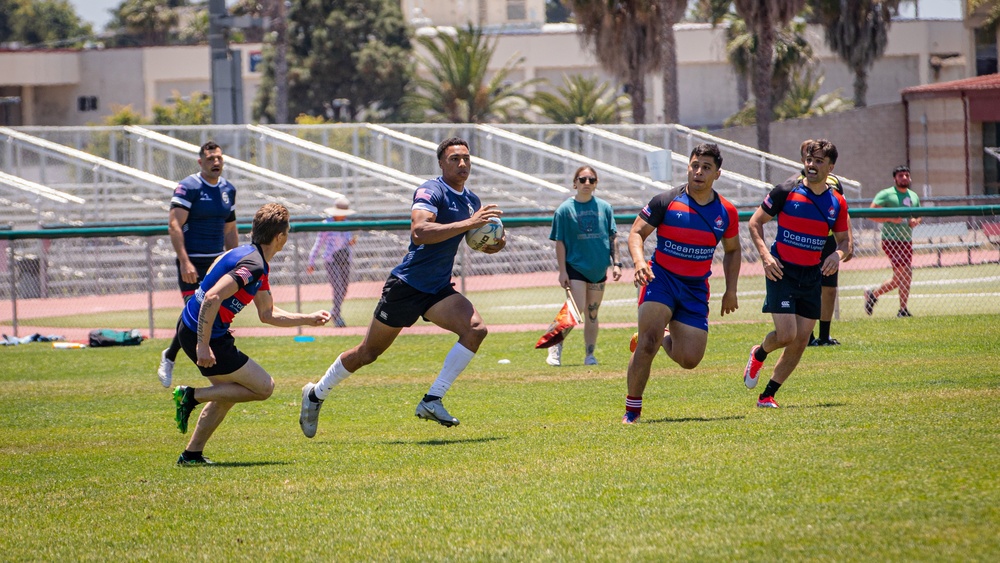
[886, 449]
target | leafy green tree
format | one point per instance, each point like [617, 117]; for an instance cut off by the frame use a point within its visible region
[625, 35]
[763, 18]
[146, 22]
[458, 87]
[38, 22]
[989, 8]
[858, 31]
[194, 110]
[801, 99]
[582, 101]
[357, 51]
[671, 12]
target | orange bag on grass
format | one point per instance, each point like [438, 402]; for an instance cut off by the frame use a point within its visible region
[567, 318]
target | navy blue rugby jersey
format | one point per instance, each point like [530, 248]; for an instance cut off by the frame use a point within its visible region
[428, 267]
[209, 209]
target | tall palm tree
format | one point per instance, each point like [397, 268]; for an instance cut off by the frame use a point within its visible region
[625, 35]
[459, 89]
[671, 11]
[792, 52]
[582, 101]
[858, 31]
[763, 17]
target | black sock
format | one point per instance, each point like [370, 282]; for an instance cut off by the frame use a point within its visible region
[771, 389]
[189, 397]
[760, 354]
[189, 455]
[173, 349]
[313, 397]
[429, 398]
[824, 330]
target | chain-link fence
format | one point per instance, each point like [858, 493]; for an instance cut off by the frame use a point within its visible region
[68, 281]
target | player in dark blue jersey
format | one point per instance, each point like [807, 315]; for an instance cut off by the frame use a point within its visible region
[202, 225]
[689, 222]
[237, 278]
[443, 210]
[806, 213]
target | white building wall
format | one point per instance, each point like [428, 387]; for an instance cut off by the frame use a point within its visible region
[149, 76]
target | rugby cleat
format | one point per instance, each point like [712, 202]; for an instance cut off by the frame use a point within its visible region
[434, 410]
[631, 417]
[166, 370]
[753, 368]
[200, 460]
[632, 344]
[767, 403]
[309, 413]
[182, 409]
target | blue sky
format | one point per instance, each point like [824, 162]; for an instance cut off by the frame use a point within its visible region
[96, 11]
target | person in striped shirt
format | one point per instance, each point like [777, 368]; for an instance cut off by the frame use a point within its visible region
[689, 221]
[806, 212]
[238, 277]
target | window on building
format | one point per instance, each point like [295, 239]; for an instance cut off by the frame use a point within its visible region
[86, 103]
[517, 10]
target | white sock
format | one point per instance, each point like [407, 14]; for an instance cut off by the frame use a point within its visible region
[456, 361]
[334, 375]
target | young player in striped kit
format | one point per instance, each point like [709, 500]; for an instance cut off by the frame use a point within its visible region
[689, 221]
[806, 212]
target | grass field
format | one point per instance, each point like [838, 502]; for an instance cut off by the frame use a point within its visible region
[886, 449]
[935, 291]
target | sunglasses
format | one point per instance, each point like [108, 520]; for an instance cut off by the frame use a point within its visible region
[587, 180]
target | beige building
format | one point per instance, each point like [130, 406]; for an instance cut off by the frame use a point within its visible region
[480, 13]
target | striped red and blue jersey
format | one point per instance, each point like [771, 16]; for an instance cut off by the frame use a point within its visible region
[247, 266]
[804, 221]
[687, 233]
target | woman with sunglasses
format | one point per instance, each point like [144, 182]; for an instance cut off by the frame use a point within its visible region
[584, 231]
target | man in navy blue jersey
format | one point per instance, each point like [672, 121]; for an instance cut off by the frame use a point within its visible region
[202, 225]
[237, 278]
[443, 210]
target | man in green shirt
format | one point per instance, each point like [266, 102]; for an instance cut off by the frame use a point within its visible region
[897, 237]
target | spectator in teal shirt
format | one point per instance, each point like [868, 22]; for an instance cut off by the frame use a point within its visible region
[584, 231]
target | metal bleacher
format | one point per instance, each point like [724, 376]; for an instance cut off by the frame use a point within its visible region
[72, 176]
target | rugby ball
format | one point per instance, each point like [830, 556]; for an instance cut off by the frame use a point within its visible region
[487, 235]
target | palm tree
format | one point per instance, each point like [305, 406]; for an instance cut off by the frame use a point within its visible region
[763, 17]
[582, 101]
[858, 31]
[791, 53]
[458, 90]
[151, 20]
[801, 99]
[671, 11]
[625, 35]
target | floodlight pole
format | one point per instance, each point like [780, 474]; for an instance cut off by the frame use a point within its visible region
[226, 64]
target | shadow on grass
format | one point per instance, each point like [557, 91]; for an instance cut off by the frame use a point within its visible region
[235, 464]
[439, 442]
[693, 419]
[817, 406]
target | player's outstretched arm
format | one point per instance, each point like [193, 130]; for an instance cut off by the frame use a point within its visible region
[423, 229]
[268, 313]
